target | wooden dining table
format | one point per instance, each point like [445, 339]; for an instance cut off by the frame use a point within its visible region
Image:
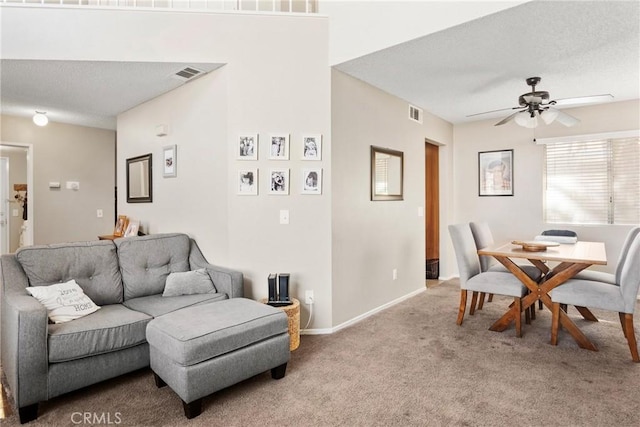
[558, 264]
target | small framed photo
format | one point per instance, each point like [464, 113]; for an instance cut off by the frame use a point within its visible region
[312, 147]
[312, 181]
[495, 173]
[248, 147]
[279, 147]
[169, 161]
[279, 181]
[132, 228]
[121, 225]
[248, 182]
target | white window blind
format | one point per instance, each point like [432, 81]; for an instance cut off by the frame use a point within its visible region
[592, 182]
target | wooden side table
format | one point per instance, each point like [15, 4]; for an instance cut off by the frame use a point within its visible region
[108, 237]
[293, 315]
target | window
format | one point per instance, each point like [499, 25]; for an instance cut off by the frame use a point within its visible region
[592, 181]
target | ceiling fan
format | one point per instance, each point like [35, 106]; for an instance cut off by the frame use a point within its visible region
[536, 104]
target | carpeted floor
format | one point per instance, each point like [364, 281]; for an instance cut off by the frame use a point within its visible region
[409, 365]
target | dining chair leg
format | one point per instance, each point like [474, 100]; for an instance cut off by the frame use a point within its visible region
[555, 322]
[490, 299]
[540, 306]
[474, 300]
[527, 316]
[463, 306]
[518, 303]
[481, 300]
[631, 336]
[624, 327]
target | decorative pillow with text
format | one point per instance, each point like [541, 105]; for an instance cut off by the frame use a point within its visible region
[64, 301]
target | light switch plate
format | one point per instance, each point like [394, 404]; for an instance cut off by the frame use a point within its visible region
[284, 217]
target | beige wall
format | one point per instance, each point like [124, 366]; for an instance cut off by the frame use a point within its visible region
[276, 81]
[63, 153]
[371, 239]
[521, 217]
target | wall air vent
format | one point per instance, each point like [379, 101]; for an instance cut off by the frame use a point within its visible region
[187, 73]
[415, 114]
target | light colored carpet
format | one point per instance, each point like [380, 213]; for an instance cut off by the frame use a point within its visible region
[409, 365]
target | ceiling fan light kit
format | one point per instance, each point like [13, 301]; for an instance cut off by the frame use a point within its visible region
[537, 103]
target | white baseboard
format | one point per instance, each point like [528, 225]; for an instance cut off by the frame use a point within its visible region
[362, 316]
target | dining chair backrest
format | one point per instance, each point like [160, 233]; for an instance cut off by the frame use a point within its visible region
[466, 252]
[630, 276]
[624, 252]
[483, 238]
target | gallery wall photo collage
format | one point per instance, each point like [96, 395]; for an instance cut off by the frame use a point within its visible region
[277, 148]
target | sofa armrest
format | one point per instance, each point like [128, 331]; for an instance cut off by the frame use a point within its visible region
[224, 279]
[24, 337]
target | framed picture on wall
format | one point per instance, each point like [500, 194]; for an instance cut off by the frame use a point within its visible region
[248, 182]
[279, 181]
[248, 146]
[279, 147]
[495, 173]
[169, 161]
[312, 181]
[312, 147]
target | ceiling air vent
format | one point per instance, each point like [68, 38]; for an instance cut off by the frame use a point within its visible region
[415, 114]
[187, 73]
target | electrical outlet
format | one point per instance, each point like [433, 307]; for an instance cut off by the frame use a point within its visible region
[308, 297]
[395, 273]
[99, 213]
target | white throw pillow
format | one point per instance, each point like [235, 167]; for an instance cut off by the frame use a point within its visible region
[188, 283]
[64, 301]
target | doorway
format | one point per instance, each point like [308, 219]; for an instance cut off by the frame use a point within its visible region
[432, 216]
[16, 180]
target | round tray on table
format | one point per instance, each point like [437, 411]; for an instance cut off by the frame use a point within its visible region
[534, 245]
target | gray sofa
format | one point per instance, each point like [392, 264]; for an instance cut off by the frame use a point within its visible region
[126, 278]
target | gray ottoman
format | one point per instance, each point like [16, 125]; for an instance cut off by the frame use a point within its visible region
[202, 349]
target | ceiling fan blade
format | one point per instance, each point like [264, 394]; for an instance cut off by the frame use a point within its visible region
[582, 99]
[508, 118]
[566, 119]
[493, 111]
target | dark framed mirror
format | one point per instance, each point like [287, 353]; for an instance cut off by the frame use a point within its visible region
[139, 183]
[387, 174]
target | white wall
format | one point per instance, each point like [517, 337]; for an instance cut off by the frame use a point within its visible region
[61, 153]
[521, 217]
[370, 239]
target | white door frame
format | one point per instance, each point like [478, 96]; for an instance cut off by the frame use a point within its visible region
[28, 235]
[5, 229]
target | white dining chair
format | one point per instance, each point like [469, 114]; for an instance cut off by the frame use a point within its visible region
[483, 237]
[473, 279]
[613, 278]
[605, 296]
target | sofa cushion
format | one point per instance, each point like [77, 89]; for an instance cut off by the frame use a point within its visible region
[93, 265]
[157, 305]
[113, 327]
[203, 332]
[64, 301]
[188, 283]
[146, 261]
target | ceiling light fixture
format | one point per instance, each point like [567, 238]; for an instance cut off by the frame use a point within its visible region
[40, 118]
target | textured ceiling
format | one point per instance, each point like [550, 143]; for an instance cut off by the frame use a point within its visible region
[578, 48]
[87, 93]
